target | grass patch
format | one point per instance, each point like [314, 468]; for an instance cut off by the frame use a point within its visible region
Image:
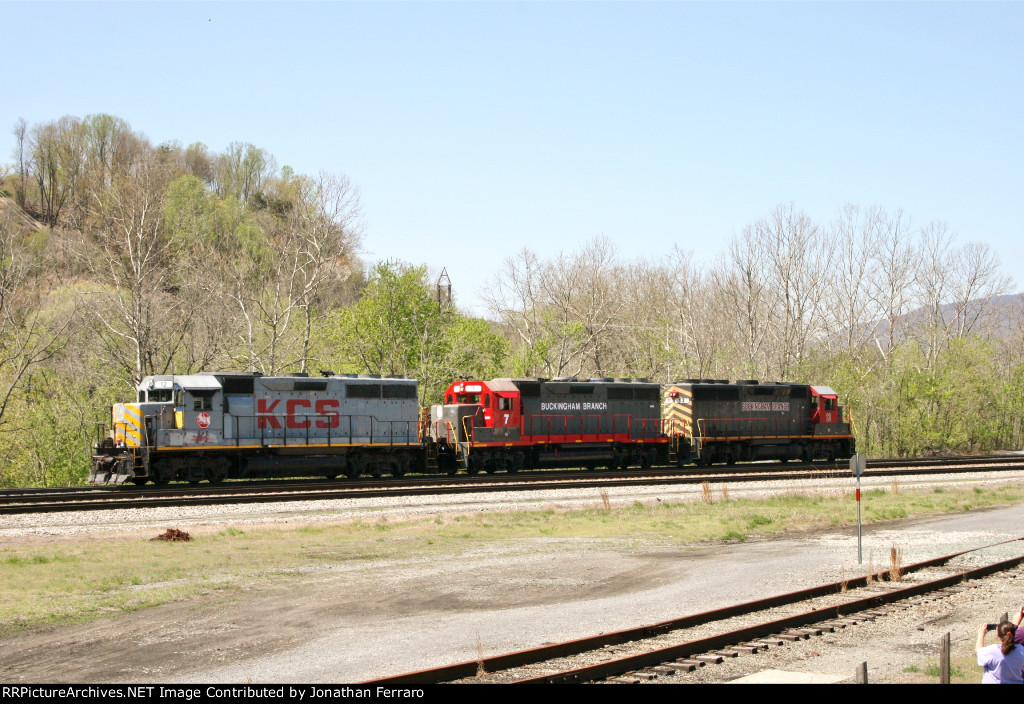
[962, 670]
[73, 580]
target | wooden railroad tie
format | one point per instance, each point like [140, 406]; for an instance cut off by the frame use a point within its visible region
[708, 657]
[749, 649]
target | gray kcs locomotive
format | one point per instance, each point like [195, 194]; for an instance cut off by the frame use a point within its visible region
[233, 425]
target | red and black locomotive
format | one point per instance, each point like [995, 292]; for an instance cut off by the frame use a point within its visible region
[513, 424]
[713, 421]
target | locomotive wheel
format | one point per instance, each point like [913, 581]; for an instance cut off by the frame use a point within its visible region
[472, 466]
[139, 481]
[352, 472]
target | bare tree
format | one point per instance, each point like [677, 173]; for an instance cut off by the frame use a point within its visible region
[976, 281]
[58, 156]
[29, 334]
[800, 256]
[326, 217]
[312, 245]
[934, 261]
[243, 170]
[143, 322]
[856, 234]
[515, 295]
[21, 158]
[695, 296]
[750, 299]
[581, 293]
[891, 280]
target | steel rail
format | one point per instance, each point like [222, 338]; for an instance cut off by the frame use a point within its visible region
[98, 493]
[276, 492]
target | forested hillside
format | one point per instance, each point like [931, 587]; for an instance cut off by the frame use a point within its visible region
[120, 259]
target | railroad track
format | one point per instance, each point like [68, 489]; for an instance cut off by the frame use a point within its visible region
[22, 501]
[682, 645]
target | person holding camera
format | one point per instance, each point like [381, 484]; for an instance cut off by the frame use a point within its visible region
[1003, 661]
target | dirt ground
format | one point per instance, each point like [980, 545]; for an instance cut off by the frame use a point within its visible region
[351, 623]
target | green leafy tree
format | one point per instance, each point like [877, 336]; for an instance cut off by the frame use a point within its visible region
[398, 328]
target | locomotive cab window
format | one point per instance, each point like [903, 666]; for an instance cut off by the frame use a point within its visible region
[159, 395]
[504, 403]
[202, 400]
[830, 404]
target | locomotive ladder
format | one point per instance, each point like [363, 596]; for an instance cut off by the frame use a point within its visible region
[431, 457]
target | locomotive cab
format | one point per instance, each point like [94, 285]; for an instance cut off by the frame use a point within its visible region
[826, 413]
[484, 411]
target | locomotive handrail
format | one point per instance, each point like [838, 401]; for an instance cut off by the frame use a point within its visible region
[375, 429]
[450, 433]
[467, 428]
[624, 427]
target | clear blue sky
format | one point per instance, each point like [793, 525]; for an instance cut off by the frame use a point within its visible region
[474, 130]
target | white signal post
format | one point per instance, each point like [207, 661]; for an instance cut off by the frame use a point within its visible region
[858, 463]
